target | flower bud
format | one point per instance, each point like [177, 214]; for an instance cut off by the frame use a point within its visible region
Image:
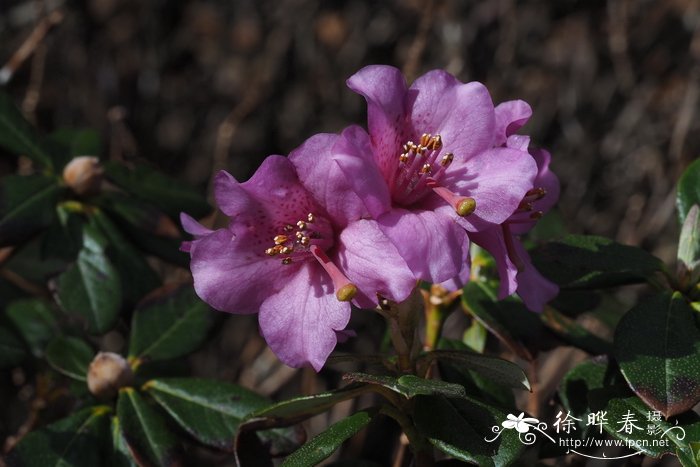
[83, 175]
[107, 373]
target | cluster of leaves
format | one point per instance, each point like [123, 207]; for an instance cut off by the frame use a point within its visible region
[92, 250]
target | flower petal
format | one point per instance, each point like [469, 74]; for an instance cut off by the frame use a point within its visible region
[353, 156]
[430, 242]
[193, 227]
[327, 182]
[497, 179]
[271, 196]
[510, 117]
[384, 88]
[492, 241]
[229, 276]
[533, 288]
[545, 179]
[373, 264]
[300, 322]
[462, 114]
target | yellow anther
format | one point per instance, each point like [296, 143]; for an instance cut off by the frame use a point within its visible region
[271, 252]
[310, 217]
[301, 225]
[403, 157]
[435, 142]
[447, 159]
[426, 169]
[286, 250]
[304, 241]
[299, 235]
[280, 239]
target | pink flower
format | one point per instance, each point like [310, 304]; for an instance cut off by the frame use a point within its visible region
[296, 261]
[514, 265]
[428, 169]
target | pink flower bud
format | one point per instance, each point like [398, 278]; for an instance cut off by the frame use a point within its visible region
[83, 175]
[107, 373]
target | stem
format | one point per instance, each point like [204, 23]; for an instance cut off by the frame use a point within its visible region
[421, 448]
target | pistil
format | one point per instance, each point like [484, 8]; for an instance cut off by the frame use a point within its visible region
[344, 289]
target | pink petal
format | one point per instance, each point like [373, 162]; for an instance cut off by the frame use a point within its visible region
[545, 179]
[373, 264]
[430, 242]
[384, 88]
[353, 156]
[510, 117]
[492, 240]
[300, 322]
[193, 227]
[497, 179]
[232, 276]
[329, 185]
[533, 288]
[462, 114]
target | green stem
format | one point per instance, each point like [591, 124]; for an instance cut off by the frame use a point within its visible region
[421, 448]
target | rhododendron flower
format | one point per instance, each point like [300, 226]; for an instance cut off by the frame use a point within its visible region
[514, 265]
[296, 262]
[429, 168]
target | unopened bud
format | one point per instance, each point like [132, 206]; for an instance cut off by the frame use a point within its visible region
[107, 373]
[83, 175]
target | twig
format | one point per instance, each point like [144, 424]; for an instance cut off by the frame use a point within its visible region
[418, 46]
[29, 46]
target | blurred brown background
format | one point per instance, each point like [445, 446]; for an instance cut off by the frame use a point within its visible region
[194, 86]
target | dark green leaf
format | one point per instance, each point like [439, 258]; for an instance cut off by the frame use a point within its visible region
[63, 239]
[292, 411]
[580, 261]
[27, 205]
[67, 143]
[170, 195]
[460, 427]
[17, 134]
[35, 321]
[409, 385]
[137, 277]
[325, 443]
[169, 323]
[91, 287]
[76, 441]
[12, 350]
[573, 333]
[688, 190]
[70, 356]
[211, 411]
[120, 455]
[657, 344]
[689, 244]
[145, 431]
[496, 369]
[508, 320]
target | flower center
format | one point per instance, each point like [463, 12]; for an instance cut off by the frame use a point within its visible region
[419, 171]
[309, 239]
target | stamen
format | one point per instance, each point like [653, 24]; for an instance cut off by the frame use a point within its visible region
[447, 159]
[288, 228]
[301, 225]
[344, 289]
[525, 206]
[426, 169]
[271, 252]
[310, 217]
[280, 239]
[536, 215]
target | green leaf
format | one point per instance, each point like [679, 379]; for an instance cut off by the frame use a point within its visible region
[137, 277]
[580, 261]
[475, 336]
[324, 444]
[657, 344]
[145, 431]
[91, 287]
[292, 411]
[689, 244]
[78, 440]
[573, 333]
[508, 320]
[211, 411]
[70, 356]
[120, 455]
[27, 205]
[496, 369]
[688, 190]
[67, 143]
[409, 385]
[35, 321]
[12, 350]
[18, 136]
[170, 323]
[168, 194]
[460, 427]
